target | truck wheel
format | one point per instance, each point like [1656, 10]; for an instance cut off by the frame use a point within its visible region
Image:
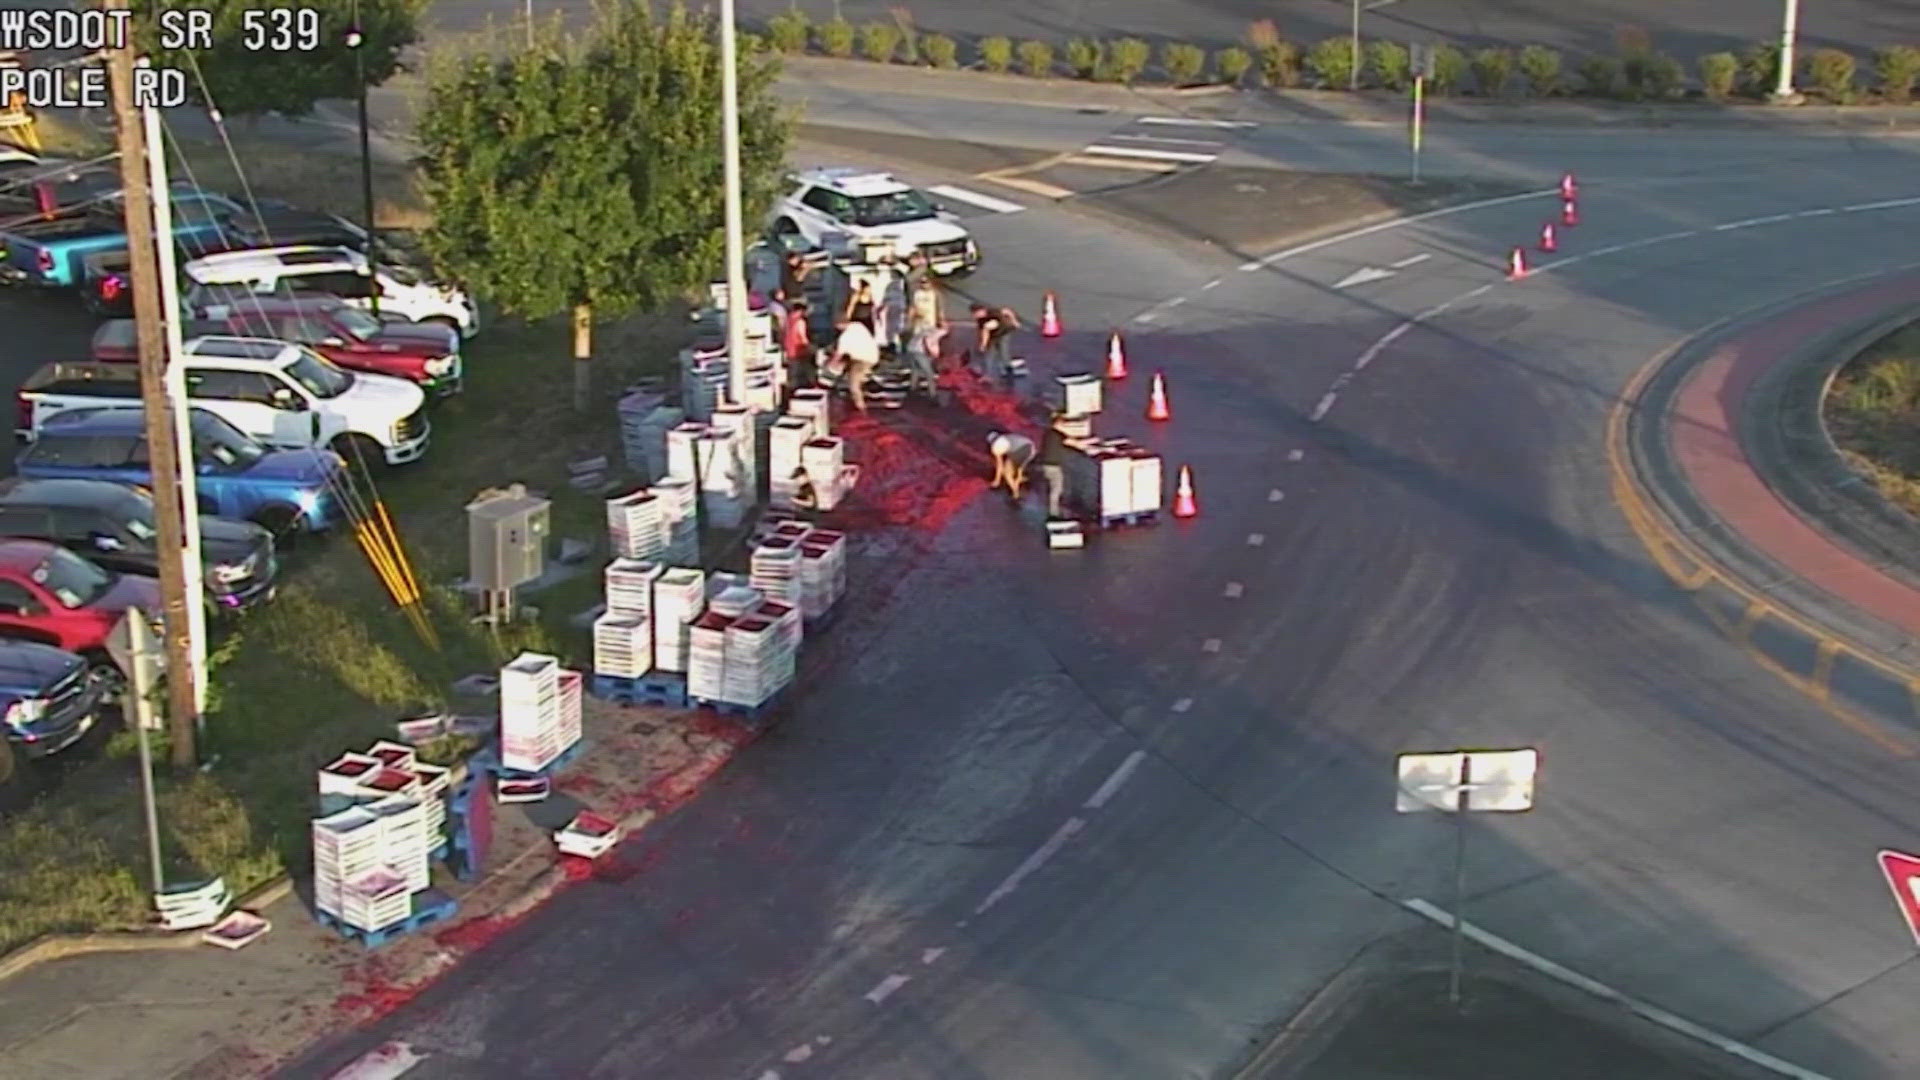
[112, 681]
[361, 448]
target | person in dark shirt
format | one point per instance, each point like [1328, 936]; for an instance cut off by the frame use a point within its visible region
[1053, 466]
[860, 306]
[796, 344]
[793, 277]
[996, 326]
[806, 500]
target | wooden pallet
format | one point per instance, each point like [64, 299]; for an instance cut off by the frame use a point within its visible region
[653, 688]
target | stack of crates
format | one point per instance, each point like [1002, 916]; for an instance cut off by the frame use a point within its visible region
[707, 656]
[784, 443]
[623, 636]
[775, 568]
[823, 572]
[679, 596]
[539, 717]
[347, 846]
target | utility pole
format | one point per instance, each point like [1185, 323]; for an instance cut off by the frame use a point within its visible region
[162, 442]
[176, 375]
[736, 242]
[1783, 91]
[355, 41]
[1353, 72]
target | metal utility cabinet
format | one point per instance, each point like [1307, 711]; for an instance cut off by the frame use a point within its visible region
[507, 530]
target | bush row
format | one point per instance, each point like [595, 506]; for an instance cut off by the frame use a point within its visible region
[1635, 71]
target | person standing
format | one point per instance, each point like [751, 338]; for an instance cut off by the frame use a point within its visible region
[996, 327]
[793, 277]
[1053, 466]
[796, 344]
[861, 306]
[923, 352]
[855, 355]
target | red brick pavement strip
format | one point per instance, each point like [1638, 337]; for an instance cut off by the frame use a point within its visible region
[1703, 427]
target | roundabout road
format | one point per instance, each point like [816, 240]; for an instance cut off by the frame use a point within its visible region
[1115, 814]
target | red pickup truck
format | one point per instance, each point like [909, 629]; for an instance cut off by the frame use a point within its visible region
[424, 353]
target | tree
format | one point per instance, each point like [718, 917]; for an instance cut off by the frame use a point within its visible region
[586, 176]
[266, 59]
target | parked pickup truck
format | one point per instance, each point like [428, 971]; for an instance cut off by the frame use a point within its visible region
[236, 477]
[50, 595]
[286, 396]
[424, 353]
[49, 698]
[51, 251]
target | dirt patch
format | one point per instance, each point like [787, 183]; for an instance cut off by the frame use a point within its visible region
[1251, 211]
[1872, 410]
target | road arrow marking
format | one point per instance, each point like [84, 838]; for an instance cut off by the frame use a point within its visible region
[1363, 276]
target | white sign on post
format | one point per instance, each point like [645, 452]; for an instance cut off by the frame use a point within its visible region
[1500, 781]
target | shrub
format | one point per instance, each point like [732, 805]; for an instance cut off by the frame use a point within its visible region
[1760, 69]
[1036, 58]
[996, 53]
[836, 38]
[1718, 72]
[1449, 68]
[1600, 76]
[1278, 59]
[1632, 41]
[909, 34]
[1540, 66]
[1493, 70]
[1831, 71]
[879, 41]
[1083, 57]
[1183, 62]
[1389, 64]
[1331, 62]
[1125, 60]
[940, 50]
[1657, 76]
[1232, 64]
[789, 31]
[1896, 67]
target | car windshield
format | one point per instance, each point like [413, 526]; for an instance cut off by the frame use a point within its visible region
[320, 378]
[892, 208]
[72, 580]
[356, 322]
[216, 440]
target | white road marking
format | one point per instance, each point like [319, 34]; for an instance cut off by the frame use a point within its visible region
[1153, 155]
[1047, 851]
[1362, 276]
[770, 1075]
[928, 956]
[1211, 645]
[1211, 285]
[384, 1062]
[885, 987]
[1146, 316]
[1164, 139]
[1234, 590]
[1320, 411]
[1885, 204]
[1256, 539]
[1296, 455]
[1340, 238]
[1412, 260]
[798, 1054]
[1276, 495]
[1607, 993]
[1036, 187]
[1106, 790]
[1183, 704]
[984, 202]
[823, 1040]
[1817, 212]
[1121, 163]
[1194, 121]
[1173, 303]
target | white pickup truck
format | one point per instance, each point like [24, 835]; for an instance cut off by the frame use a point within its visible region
[285, 395]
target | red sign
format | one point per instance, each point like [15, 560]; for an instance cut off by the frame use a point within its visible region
[1903, 877]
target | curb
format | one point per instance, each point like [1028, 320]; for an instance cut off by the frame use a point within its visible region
[60, 946]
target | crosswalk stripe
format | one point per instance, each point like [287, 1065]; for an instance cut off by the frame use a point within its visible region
[1142, 152]
[985, 202]
[1133, 164]
[1209, 143]
[1194, 121]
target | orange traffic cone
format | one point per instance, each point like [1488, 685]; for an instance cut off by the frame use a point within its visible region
[1157, 400]
[1517, 265]
[1569, 190]
[1184, 505]
[1569, 214]
[1049, 317]
[1548, 241]
[1116, 358]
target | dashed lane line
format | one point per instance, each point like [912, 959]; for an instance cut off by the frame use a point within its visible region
[886, 987]
[1114, 782]
[1034, 861]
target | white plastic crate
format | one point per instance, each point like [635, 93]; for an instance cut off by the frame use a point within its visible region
[1077, 394]
[735, 601]
[637, 525]
[629, 586]
[775, 567]
[622, 645]
[343, 775]
[813, 405]
[1148, 477]
[707, 656]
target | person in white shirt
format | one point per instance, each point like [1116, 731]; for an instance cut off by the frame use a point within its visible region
[1011, 456]
[855, 354]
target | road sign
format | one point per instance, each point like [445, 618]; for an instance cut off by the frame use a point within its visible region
[120, 646]
[1496, 780]
[1903, 877]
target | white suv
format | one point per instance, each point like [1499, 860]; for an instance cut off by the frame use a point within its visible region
[342, 272]
[874, 206]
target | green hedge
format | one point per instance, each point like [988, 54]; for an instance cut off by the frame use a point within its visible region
[1633, 71]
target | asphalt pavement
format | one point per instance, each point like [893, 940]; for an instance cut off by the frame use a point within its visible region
[1119, 813]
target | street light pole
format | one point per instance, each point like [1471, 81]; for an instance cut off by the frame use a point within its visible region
[357, 41]
[1789, 29]
[736, 241]
[1353, 72]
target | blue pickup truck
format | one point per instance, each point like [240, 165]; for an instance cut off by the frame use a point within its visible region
[49, 700]
[284, 491]
[52, 250]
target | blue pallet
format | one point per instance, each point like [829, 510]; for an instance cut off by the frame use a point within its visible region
[745, 712]
[429, 907]
[1115, 521]
[655, 688]
[440, 852]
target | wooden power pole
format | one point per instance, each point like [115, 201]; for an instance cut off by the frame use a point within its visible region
[163, 447]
